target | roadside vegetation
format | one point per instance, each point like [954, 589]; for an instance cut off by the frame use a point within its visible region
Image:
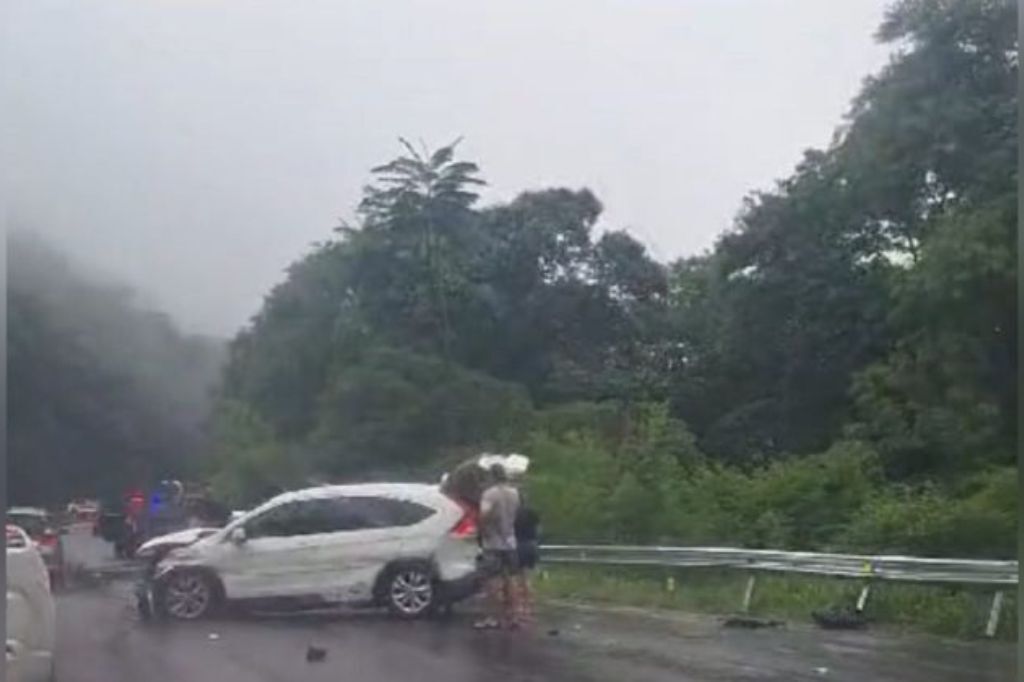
[952, 611]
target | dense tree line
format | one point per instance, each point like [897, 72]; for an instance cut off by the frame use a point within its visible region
[101, 393]
[869, 295]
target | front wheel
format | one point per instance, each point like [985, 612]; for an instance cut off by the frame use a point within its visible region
[410, 591]
[187, 595]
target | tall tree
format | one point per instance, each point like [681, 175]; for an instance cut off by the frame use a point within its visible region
[835, 269]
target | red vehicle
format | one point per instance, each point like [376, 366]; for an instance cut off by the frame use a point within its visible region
[45, 533]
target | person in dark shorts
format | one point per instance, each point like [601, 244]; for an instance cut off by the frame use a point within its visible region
[499, 506]
[527, 527]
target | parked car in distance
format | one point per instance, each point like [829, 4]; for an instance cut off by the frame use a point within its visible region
[45, 532]
[30, 612]
[83, 511]
[408, 547]
[115, 527]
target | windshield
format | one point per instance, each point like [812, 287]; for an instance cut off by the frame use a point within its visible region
[33, 524]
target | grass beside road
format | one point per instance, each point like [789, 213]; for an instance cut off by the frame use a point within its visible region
[943, 610]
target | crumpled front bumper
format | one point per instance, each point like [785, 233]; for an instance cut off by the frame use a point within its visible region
[144, 588]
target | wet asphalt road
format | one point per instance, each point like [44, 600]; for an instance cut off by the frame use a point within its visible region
[100, 639]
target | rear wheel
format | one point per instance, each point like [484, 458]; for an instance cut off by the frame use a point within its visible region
[187, 595]
[409, 590]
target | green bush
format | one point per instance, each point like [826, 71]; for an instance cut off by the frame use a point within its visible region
[645, 481]
[569, 483]
[930, 521]
[249, 463]
[648, 484]
[620, 473]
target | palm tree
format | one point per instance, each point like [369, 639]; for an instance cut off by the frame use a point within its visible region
[420, 185]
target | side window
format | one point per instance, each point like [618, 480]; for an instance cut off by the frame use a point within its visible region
[339, 515]
[384, 512]
[280, 521]
[336, 515]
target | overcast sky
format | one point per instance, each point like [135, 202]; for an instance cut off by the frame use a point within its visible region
[194, 148]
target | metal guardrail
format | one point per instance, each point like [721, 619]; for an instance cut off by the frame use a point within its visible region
[1000, 574]
[915, 569]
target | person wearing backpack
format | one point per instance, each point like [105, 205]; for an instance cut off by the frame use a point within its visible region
[527, 530]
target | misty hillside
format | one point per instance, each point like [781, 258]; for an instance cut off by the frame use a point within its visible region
[102, 392]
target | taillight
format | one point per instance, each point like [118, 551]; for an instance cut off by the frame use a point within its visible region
[15, 538]
[467, 525]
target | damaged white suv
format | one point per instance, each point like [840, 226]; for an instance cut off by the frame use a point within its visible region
[409, 547]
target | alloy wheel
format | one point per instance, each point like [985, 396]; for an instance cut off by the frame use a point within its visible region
[187, 596]
[412, 592]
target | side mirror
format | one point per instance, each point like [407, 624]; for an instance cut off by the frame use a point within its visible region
[237, 535]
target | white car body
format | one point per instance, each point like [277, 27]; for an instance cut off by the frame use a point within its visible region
[31, 621]
[38, 517]
[337, 566]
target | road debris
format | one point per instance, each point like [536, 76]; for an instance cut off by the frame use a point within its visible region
[751, 622]
[839, 619]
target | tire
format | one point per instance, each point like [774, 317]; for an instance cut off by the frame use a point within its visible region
[188, 595]
[142, 604]
[409, 590]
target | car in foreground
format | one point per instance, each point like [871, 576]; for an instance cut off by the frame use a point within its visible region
[31, 623]
[45, 532]
[406, 546]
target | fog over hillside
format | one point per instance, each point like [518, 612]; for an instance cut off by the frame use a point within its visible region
[97, 381]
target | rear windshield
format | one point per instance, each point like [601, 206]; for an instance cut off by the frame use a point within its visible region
[30, 523]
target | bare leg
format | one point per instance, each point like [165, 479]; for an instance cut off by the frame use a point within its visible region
[495, 604]
[496, 597]
[525, 602]
[509, 602]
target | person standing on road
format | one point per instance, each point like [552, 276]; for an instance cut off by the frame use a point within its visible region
[499, 506]
[527, 525]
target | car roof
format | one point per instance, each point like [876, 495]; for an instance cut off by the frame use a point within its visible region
[400, 491]
[27, 511]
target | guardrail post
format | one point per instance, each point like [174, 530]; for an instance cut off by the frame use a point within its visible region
[862, 600]
[670, 584]
[993, 614]
[748, 594]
